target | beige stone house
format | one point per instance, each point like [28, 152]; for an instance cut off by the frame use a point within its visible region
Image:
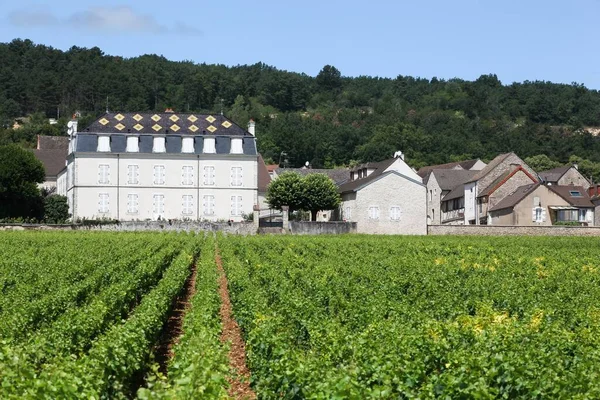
[439, 183]
[567, 175]
[387, 197]
[537, 204]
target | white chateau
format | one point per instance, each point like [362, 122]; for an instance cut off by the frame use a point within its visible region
[146, 166]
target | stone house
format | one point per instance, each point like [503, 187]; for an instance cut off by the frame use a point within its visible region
[502, 176]
[466, 165]
[537, 204]
[439, 183]
[387, 197]
[564, 176]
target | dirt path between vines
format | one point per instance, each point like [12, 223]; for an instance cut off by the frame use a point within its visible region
[173, 329]
[240, 384]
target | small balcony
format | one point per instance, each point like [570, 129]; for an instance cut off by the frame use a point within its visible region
[453, 215]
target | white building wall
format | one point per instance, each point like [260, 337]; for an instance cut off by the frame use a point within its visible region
[434, 194]
[403, 168]
[470, 201]
[88, 188]
[389, 191]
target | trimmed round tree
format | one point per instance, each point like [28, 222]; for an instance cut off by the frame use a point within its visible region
[286, 190]
[320, 193]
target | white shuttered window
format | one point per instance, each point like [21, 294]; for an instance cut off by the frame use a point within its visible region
[132, 203]
[187, 175]
[236, 176]
[103, 143]
[133, 174]
[104, 174]
[236, 206]
[103, 203]
[158, 205]
[187, 202]
[209, 175]
[158, 145]
[237, 146]
[395, 213]
[132, 144]
[209, 145]
[208, 205]
[159, 174]
[187, 145]
[373, 212]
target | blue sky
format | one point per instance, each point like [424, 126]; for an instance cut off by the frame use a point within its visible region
[517, 40]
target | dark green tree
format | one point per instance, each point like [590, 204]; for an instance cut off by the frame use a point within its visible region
[541, 162]
[329, 79]
[56, 209]
[286, 190]
[20, 172]
[320, 193]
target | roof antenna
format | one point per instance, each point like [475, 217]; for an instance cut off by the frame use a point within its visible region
[107, 104]
[221, 106]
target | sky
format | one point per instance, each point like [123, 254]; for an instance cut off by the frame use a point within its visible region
[516, 40]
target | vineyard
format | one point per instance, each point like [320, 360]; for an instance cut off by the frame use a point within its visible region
[82, 315]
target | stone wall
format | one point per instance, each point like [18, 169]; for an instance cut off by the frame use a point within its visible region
[321, 228]
[495, 230]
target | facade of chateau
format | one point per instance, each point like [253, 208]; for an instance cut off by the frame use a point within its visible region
[150, 166]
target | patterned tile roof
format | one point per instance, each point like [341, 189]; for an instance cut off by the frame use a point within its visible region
[165, 123]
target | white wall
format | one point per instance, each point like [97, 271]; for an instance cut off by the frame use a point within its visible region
[434, 194]
[470, 201]
[400, 166]
[390, 190]
[88, 188]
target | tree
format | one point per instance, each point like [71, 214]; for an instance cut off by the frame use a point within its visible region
[329, 79]
[20, 171]
[541, 162]
[286, 190]
[56, 209]
[320, 193]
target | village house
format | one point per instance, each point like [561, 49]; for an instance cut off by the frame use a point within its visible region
[566, 175]
[387, 197]
[150, 166]
[537, 204]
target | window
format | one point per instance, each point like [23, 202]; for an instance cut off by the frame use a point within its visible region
[103, 202]
[132, 144]
[209, 175]
[187, 202]
[187, 175]
[209, 145]
[132, 203]
[236, 176]
[582, 215]
[159, 145]
[208, 205]
[159, 174]
[103, 143]
[187, 145]
[158, 205]
[373, 212]
[348, 214]
[538, 214]
[133, 174]
[395, 213]
[430, 195]
[236, 206]
[575, 193]
[104, 174]
[236, 146]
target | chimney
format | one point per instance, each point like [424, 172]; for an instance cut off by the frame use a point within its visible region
[169, 110]
[38, 142]
[576, 166]
[252, 127]
[399, 154]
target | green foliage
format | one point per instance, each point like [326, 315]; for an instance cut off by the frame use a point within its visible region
[541, 162]
[320, 193]
[438, 317]
[20, 172]
[56, 209]
[286, 190]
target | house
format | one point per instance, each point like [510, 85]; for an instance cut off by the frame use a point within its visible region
[537, 204]
[387, 197]
[566, 175]
[52, 152]
[439, 183]
[150, 166]
[501, 177]
[466, 165]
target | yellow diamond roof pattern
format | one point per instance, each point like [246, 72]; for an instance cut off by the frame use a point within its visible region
[158, 122]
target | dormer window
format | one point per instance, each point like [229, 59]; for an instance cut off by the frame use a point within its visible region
[209, 145]
[159, 145]
[103, 143]
[187, 145]
[236, 146]
[132, 144]
[575, 193]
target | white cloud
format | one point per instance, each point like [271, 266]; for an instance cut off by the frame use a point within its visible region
[115, 20]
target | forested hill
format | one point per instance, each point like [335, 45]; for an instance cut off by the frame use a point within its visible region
[327, 120]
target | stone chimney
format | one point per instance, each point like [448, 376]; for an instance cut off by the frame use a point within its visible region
[252, 127]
